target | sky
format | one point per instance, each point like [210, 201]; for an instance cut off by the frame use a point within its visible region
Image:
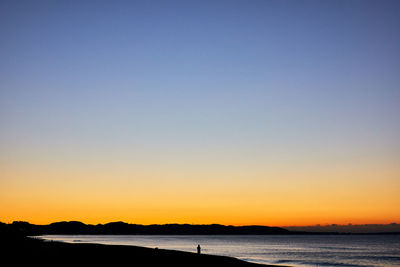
[231, 112]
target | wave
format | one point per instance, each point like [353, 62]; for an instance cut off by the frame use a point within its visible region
[318, 263]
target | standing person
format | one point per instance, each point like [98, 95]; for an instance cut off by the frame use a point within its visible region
[198, 249]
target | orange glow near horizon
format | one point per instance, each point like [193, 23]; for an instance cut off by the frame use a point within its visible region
[285, 198]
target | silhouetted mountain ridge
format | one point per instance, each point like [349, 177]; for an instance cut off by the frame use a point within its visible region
[122, 228]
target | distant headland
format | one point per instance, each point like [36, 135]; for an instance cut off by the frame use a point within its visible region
[122, 228]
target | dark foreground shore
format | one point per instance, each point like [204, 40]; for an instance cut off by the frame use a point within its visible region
[34, 252]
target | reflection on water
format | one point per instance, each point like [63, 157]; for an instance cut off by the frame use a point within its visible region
[297, 250]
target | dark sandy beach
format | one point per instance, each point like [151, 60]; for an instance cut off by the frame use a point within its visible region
[26, 251]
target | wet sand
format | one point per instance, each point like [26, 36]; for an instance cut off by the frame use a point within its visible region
[35, 252]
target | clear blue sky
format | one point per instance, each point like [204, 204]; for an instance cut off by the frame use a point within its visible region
[240, 84]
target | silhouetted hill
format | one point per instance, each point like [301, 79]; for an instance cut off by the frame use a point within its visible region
[121, 228]
[66, 227]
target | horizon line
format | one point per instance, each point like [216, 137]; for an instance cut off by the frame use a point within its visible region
[313, 225]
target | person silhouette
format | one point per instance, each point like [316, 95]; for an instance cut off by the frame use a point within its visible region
[198, 249]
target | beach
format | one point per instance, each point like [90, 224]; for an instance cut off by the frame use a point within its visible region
[20, 250]
[295, 250]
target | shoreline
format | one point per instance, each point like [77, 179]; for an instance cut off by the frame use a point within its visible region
[36, 251]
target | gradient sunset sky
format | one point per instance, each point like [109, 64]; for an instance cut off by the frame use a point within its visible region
[231, 112]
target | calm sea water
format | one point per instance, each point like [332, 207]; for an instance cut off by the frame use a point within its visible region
[297, 250]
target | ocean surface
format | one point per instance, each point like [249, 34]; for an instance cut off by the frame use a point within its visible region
[292, 250]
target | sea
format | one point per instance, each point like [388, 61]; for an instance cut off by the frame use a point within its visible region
[290, 250]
